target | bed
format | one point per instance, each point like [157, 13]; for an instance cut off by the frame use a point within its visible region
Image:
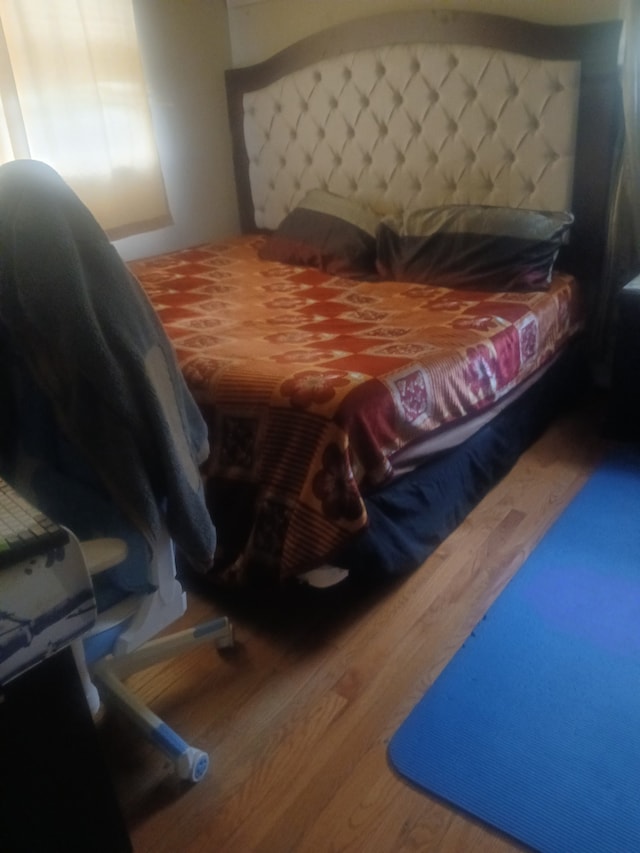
[423, 202]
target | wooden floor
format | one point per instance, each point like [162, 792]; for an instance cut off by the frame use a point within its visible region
[298, 718]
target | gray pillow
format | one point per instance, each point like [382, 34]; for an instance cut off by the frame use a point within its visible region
[334, 234]
[473, 246]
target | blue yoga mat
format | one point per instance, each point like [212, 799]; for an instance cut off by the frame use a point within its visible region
[534, 726]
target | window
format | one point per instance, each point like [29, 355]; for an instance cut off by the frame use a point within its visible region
[73, 94]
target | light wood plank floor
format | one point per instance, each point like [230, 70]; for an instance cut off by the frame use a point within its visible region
[298, 717]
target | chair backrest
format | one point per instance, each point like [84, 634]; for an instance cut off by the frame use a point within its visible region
[110, 385]
[99, 429]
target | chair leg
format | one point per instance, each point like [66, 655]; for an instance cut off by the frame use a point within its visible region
[191, 764]
[90, 690]
[220, 631]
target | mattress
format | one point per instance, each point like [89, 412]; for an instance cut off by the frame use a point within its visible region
[313, 385]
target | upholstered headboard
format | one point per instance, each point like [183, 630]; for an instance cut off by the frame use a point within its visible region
[424, 108]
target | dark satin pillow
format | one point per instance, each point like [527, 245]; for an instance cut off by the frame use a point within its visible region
[335, 234]
[481, 246]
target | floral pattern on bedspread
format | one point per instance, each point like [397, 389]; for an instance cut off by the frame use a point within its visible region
[309, 383]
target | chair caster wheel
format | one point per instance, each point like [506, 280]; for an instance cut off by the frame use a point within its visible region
[227, 641]
[192, 765]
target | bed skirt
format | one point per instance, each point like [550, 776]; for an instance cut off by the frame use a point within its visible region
[414, 514]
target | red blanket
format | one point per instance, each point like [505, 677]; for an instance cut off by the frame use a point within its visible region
[310, 383]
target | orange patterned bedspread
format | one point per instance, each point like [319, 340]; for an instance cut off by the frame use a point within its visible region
[310, 384]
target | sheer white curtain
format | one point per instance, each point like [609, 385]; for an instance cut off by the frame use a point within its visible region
[631, 99]
[73, 94]
[624, 226]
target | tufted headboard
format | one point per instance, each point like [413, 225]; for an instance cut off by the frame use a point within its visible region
[423, 108]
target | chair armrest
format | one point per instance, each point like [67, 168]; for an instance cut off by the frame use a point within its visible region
[101, 554]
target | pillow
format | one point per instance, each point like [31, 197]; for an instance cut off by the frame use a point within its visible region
[335, 234]
[481, 246]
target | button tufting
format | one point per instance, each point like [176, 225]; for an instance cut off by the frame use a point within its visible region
[399, 140]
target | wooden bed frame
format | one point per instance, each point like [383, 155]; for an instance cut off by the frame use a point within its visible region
[595, 46]
[411, 529]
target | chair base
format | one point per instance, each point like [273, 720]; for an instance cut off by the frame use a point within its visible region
[120, 644]
[109, 673]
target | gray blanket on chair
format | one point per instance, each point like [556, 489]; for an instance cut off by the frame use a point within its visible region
[83, 326]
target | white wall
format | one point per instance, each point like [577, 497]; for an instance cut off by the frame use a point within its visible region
[185, 49]
[262, 27]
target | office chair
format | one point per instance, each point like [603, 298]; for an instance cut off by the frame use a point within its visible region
[99, 429]
[120, 644]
